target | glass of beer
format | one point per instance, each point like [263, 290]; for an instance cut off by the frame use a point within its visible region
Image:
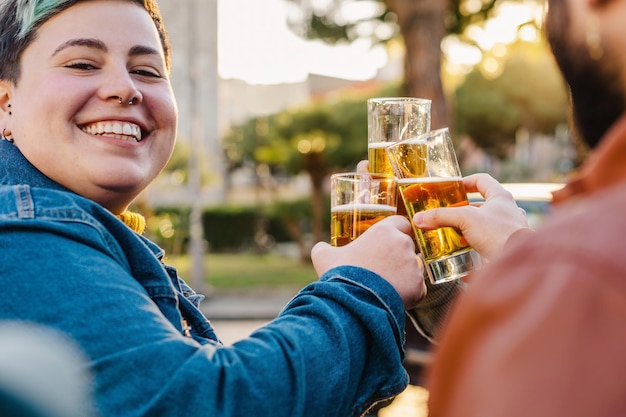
[391, 119]
[429, 177]
[358, 201]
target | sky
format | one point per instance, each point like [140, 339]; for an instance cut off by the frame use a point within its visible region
[255, 45]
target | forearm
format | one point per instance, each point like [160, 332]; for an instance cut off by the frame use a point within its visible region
[334, 350]
[431, 312]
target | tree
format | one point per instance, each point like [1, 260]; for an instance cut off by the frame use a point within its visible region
[318, 139]
[423, 24]
[529, 93]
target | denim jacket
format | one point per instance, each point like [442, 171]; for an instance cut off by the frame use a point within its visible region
[69, 264]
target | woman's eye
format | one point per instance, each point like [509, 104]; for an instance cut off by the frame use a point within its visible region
[146, 73]
[81, 66]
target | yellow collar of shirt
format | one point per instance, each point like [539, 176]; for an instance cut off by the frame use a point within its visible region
[133, 220]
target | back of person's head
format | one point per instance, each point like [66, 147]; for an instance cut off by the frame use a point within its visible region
[20, 19]
[43, 373]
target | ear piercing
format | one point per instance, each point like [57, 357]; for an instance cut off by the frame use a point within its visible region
[8, 138]
[5, 137]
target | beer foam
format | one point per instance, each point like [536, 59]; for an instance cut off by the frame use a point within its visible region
[423, 180]
[363, 207]
[373, 145]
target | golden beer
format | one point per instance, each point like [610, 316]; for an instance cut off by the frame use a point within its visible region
[413, 162]
[429, 177]
[379, 162]
[421, 194]
[349, 221]
[409, 160]
[378, 159]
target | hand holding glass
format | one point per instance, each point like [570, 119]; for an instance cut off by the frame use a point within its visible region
[429, 177]
[358, 201]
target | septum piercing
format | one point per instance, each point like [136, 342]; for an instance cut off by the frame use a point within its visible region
[130, 102]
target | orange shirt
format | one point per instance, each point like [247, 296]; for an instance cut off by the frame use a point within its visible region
[542, 330]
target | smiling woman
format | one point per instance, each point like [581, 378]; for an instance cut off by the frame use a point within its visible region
[117, 121]
[89, 119]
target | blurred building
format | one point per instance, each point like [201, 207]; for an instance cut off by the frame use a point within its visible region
[209, 106]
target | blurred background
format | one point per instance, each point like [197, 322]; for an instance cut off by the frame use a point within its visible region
[272, 99]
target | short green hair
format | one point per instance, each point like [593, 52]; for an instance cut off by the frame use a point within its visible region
[20, 19]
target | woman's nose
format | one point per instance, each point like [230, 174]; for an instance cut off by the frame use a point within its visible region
[121, 88]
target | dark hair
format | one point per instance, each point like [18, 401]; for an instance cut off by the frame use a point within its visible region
[20, 19]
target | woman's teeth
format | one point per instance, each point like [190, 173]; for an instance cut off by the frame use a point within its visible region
[118, 130]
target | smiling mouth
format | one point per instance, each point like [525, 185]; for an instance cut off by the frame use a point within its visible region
[114, 129]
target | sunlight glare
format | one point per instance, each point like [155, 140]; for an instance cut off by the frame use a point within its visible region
[256, 45]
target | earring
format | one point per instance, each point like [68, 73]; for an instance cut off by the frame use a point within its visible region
[5, 137]
[593, 39]
[10, 112]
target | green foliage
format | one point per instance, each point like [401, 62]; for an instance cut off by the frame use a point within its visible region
[337, 130]
[298, 211]
[529, 93]
[330, 26]
[460, 17]
[247, 271]
[483, 112]
[320, 27]
[178, 165]
[227, 228]
[317, 139]
[312, 21]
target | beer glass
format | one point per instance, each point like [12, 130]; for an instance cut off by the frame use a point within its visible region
[359, 200]
[390, 119]
[429, 177]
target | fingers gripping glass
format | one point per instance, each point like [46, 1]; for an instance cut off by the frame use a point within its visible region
[429, 177]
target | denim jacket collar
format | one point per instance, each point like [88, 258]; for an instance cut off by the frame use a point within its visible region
[15, 169]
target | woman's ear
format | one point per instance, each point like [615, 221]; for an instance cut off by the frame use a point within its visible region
[5, 99]
[6, 110]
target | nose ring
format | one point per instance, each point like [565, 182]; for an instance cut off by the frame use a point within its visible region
[120, 100]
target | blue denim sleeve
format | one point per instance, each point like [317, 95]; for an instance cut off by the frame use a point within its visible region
[334, 350]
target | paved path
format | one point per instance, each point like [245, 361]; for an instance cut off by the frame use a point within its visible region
[230, 331]
[257, 305]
